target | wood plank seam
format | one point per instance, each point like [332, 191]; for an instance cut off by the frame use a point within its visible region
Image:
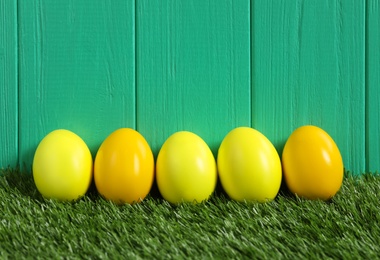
[366, 64]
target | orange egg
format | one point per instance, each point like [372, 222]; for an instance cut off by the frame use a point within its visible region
[312, 164]
[124, 167]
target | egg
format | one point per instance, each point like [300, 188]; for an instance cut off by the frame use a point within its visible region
[62, 166]
[185, 169]
[124, 167]
[312, 163]
[249, 166]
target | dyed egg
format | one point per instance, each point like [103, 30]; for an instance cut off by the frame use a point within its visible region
[249, 166]
[124, 167]
[185, 169]
[312, 164]
[62, 166]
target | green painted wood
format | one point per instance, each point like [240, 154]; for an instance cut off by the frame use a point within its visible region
[193, 68]
[8, 84]
[308, 68]
[373, 85]
[76, 70]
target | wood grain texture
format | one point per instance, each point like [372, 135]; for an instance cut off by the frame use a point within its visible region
[373, 85]
[308, 68]
[193, 68]
[8, 84]
[77, 70]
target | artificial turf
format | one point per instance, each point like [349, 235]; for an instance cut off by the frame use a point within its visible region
[347, 227]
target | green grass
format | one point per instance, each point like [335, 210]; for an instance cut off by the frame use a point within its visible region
[289, 227]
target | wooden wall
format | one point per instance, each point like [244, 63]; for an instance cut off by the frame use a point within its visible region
[8, 84]
[201, 65]
[372, 85]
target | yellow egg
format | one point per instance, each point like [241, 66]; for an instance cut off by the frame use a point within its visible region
[62, 166]
[185, 169]
[249, 166]
[312, 163]
[124, 167]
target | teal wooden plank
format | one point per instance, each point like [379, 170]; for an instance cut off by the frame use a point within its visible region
[373, 85]
[308, 68]
[193, 68]
[8, 84]
[77, 70]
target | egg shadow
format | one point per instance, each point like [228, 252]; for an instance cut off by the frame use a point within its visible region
[155, 192]
[284, 190]
[219, 190]
[92, 193]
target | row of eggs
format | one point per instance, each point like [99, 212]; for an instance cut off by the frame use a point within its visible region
[247, 163]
